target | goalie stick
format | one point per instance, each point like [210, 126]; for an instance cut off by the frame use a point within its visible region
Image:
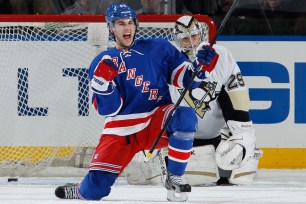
[170, 116]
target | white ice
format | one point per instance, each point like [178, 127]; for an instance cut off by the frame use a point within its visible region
[270, 186]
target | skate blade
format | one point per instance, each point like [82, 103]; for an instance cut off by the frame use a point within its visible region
[176, 197]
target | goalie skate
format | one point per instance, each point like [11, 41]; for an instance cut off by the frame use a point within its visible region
[177, 188]
[68, 191]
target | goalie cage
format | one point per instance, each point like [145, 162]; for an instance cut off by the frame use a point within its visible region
[45, 99]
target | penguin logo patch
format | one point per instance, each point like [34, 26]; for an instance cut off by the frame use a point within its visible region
[200, 97]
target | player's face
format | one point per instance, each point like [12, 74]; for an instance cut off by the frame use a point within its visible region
[124, 31]
[191, 41]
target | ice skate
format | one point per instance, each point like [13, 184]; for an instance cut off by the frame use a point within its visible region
[68, 191]
[177, 188]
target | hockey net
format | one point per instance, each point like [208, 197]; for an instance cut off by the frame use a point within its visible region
[45, 105]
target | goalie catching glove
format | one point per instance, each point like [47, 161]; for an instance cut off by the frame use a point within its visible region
[104, 74]
[234, 151]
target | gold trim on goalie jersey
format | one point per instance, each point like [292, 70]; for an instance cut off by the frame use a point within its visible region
[202, 105]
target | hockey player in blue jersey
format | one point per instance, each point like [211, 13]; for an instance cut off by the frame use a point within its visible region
[224, 145]
[130, 85]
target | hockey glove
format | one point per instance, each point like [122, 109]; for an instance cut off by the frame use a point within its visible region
[235, 150]
[207, 58]
[106, 69]
[105, 72]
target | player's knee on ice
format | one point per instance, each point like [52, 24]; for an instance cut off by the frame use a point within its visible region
[97, 184]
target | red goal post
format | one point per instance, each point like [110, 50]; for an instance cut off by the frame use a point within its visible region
[45, 99]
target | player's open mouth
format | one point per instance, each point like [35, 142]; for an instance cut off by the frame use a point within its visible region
[127, 36]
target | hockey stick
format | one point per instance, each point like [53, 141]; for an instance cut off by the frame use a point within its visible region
[170, 116]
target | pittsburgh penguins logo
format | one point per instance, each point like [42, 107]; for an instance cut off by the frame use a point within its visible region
[199, 98]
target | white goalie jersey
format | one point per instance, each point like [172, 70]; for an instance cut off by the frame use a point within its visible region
[225, 77]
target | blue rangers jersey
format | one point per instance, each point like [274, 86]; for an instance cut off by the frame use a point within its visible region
[144, 72]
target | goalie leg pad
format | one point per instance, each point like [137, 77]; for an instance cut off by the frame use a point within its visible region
[246, 173]
[202, 167]
[139, 172]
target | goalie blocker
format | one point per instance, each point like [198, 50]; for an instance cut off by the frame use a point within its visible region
[202, 168]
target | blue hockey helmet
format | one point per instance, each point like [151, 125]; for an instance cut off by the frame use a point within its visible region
[120, 11]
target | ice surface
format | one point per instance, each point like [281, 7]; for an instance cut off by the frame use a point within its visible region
[270, 186]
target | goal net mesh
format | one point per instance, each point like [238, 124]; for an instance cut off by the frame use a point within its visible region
[45, 99]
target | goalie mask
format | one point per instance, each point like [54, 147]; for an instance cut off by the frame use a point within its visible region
[188, 34]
